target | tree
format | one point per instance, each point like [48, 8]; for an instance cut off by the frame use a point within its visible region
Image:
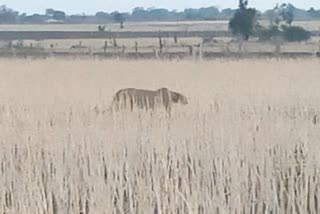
[8, 15]
[119, 17]
[59, 15]
[227, 13]
[102, 17]
[244, 22]
[50, 12]
[243, 4]
[285, 13]
[35, 18]
[313, 13]
[283, 31]
[208, 13]
[271, 33]
[139, 13]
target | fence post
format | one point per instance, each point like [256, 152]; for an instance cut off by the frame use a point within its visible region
[318, 52]
[160, 44]
[51, 50]
[105, 46]
[190, 50]
[115, 42]
[200, 50]
[136, 47]
[175, 39]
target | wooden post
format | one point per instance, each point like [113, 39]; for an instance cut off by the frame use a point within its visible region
[105, 46]
[200, 51]
[318, 52]
[51, 49]
[190, 50]
[160, 44]
[175, 39]
[115, 42]
[136, 46]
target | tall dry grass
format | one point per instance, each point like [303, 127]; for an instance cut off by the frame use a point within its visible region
[248, 142]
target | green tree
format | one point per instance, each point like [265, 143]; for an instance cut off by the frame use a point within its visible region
[313, 13]
[270, 33]
[244, 22]
[8, 15]
[284, 12]
[59, 15]
[50, 12]
[281, 18]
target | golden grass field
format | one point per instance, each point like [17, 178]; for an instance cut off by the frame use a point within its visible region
[247, 142]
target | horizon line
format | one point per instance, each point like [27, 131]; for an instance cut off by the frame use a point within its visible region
[145, 8]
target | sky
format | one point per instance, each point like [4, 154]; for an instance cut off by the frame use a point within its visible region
[93, 6]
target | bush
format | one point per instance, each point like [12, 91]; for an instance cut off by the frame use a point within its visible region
[295, 34]
[267, 34]
[287, 33]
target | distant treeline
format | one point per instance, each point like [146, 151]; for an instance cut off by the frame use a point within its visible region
[10, 16]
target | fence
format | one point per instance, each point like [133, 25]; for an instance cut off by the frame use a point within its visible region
[44, 35]
[202, 50]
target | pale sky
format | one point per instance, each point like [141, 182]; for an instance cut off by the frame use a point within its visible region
[93, 6]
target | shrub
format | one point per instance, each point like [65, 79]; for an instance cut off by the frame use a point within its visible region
[295, 34]
[266, 34]
[287, 33]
